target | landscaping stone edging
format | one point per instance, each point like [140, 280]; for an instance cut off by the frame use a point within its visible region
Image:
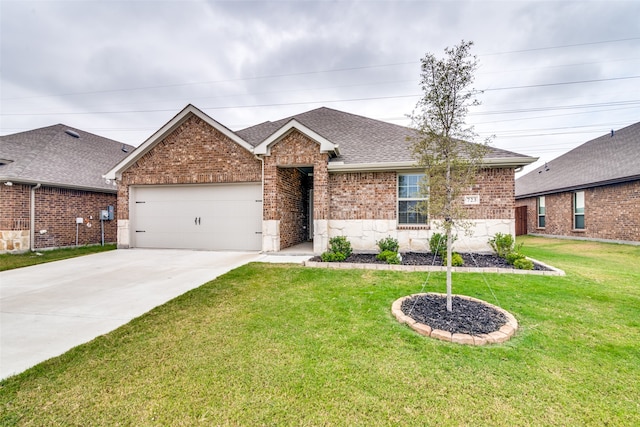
[503, 334]
[435, 268]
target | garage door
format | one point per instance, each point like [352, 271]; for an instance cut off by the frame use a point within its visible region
[213, 217]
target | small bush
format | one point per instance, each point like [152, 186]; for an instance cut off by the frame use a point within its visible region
[502, 244]
[390, 257]
[340, 244]
[456, 260]
[388, 244]
[523, 264]
[332, 256]
[512, 257]
[438, 244]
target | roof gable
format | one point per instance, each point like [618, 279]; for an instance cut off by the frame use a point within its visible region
[60, 156]
[165, 130]
[264, 147]
[604, 160]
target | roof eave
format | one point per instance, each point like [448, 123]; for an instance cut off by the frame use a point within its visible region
[58, 185]
[579, 187]
[411, 165]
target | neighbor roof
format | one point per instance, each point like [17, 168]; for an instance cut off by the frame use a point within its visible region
[609, 159]
[60, 156]
[360, 140]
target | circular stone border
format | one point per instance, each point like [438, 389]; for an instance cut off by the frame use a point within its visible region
[503, 334]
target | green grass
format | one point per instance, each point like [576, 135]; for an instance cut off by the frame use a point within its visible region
[11, 261]
[285, 345]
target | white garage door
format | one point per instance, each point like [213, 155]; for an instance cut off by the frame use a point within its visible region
[213, 217]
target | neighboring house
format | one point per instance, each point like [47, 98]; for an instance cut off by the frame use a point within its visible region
[591, 192]
[313, 176]
[51, 177]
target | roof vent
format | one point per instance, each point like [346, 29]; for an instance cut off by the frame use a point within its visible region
[612, 132]
[124, 149]
[72, 133]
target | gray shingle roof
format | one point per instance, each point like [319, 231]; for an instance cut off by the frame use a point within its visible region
[607, 159]
[360, 139]
[51, 156]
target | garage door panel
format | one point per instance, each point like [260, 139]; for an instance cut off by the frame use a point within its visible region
[215, 217]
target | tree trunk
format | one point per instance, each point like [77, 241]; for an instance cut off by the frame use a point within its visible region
[449, 304]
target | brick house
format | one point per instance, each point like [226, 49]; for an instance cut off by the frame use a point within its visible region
[312, 176]
[591, 192]
[49, 177]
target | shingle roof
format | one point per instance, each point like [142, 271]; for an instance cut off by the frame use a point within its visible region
[604, 160]
[360, 139]
[51, 156]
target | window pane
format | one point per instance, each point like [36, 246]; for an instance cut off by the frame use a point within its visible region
[541, 205]
[541, 221]
[579, 225]
[579, 202]
[407, 213]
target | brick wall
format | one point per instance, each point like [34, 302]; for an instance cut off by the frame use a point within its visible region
[496, 188]
[293, 206]
[372, 195]
[363, 195]
[612, 212]
[194, 153]
[14, 207]
[294, 149]
[57, 210]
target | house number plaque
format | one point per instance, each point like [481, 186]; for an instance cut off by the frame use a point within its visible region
[473, 199]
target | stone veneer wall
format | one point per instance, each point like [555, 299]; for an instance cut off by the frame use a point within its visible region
[612, 212]
[292, 150]
[14, 218]
[194, 153]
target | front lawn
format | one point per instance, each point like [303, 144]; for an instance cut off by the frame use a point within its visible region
[26, 259]
[274, 344]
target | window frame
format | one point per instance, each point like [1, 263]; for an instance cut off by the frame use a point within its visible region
[576, 213]
[421, 219]
[542, 203]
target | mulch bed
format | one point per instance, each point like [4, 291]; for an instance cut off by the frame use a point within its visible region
[467, 317]
[421, 258]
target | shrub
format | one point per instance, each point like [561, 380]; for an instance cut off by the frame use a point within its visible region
[388, 244]
[502, 244]
[332, 256]
[390, 257]
[456, 260]
[438, 244]
[523, 264]
[340, 244]
[512, 257]
[339, 250]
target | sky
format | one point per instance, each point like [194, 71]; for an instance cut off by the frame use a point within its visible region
[553, 74]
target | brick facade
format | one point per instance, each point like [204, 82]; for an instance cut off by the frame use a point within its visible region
[496, 188]
[612, 212]
[56, 210]
[294, 150]
[363, 195]
[194, 153]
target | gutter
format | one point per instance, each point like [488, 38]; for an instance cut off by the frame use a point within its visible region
[579, 187]
[32, 216]
[505, 162]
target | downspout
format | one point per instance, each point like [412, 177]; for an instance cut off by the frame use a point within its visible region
[32, 217]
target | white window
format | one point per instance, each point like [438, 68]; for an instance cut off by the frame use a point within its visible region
[541, 212]
[578, 210]
[408, 199]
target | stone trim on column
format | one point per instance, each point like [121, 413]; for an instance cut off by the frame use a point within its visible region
[271, 235]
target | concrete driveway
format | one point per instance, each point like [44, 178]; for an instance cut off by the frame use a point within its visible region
[49, 308]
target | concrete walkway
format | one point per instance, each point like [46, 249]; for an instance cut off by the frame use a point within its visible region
[50, 308]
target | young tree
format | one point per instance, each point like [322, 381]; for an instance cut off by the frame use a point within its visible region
[442, 144]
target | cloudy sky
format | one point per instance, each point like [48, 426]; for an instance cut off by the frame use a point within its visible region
[554, 73]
